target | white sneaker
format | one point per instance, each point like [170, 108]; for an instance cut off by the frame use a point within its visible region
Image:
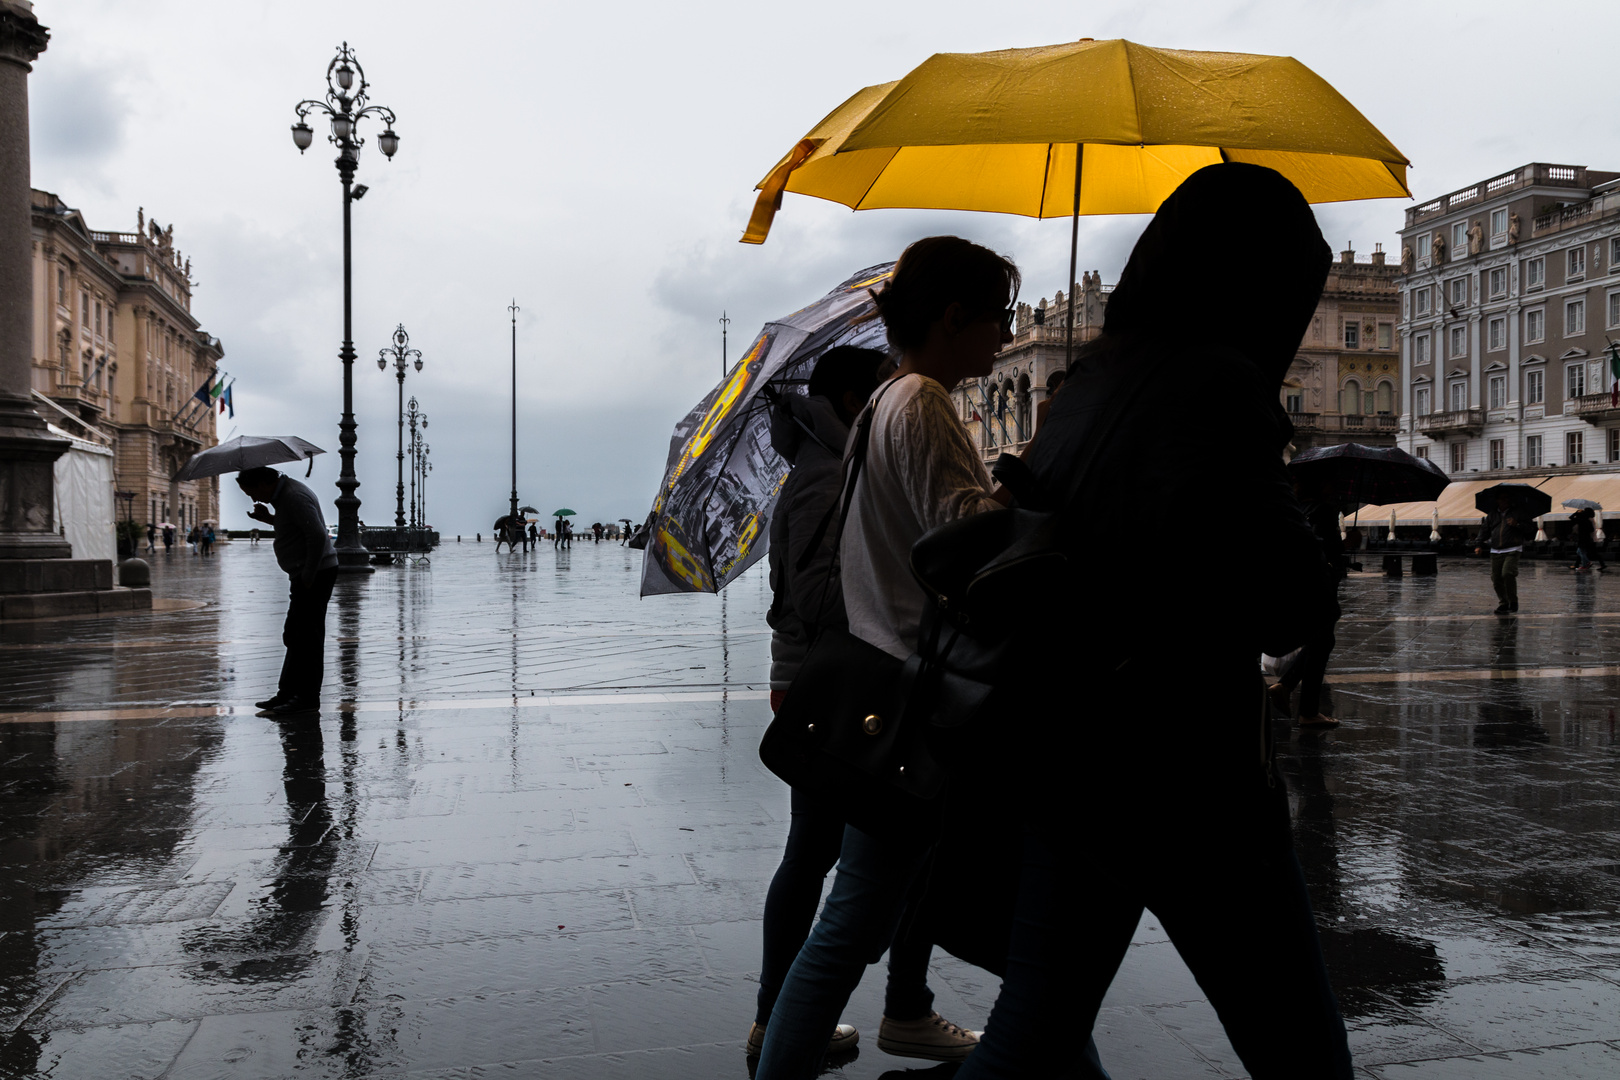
[844, 1038]
[932, 1037]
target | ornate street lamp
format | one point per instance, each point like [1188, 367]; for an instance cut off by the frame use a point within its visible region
[345, 106]
[416, 420]
[402, 354]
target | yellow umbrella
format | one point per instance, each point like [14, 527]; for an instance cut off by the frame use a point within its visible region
[1090, 127]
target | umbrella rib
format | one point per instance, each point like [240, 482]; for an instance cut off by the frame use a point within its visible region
[1046, 179]
[875, 178]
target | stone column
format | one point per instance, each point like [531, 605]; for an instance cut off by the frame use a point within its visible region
[27, 451]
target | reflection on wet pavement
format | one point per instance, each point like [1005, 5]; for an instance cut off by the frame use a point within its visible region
[531, 833]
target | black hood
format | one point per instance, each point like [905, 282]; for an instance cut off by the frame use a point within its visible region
[1234, 256]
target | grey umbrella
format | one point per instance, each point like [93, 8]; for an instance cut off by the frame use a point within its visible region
[1581, 504]
[247, 452]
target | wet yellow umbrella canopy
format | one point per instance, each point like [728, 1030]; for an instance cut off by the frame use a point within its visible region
[1091, 127]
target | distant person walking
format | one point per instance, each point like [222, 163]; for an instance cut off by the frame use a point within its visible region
[1310, 666]
[1586, 545]
[253, 536]
[557, 536]
[568, 534]
[304, 550]
[208, 539]
[597, 529]
[151, 537]
[534, 535]
[168, 539]
[1504, 533]
[194, 538]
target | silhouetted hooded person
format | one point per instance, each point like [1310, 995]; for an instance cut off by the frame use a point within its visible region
[1149, 767]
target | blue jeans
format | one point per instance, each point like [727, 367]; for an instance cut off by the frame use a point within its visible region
[857, 924]
[1582, 560]
[815, 839]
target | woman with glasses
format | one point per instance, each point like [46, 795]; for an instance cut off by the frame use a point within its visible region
[947, 311]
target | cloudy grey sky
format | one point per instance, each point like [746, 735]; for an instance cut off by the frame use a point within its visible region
[596, 162]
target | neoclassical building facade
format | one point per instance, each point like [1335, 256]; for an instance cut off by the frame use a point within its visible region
[1510, 293]
[118, 355]
[1344, 383]
[1000, 411]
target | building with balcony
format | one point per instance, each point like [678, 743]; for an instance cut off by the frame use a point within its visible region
[117, 356]
[1509, 292]
[1001, 411]
[1344, 383]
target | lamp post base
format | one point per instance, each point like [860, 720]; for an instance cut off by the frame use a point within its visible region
[355, 561]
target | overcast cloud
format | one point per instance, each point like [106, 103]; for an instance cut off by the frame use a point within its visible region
[597, 163]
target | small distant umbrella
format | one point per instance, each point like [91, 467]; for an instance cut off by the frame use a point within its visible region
[1581, 504]
[527, 510]
[247, 452]
[563, 513]
[1528, 501]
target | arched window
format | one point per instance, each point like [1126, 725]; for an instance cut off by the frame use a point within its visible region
[1384, 398]
[1350, 403]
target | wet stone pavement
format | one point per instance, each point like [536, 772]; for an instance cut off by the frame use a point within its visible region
[531, 835]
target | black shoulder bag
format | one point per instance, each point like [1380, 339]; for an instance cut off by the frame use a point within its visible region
[840, 732]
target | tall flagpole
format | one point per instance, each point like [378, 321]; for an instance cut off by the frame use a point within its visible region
[514, 309]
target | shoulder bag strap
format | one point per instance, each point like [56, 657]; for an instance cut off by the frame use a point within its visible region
[852, 470]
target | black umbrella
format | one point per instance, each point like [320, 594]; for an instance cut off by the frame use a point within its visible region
[1352, 473]
[1528, 501]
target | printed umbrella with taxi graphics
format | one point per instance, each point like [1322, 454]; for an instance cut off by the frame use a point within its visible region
[711, 518]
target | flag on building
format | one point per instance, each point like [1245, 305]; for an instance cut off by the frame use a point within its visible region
[219, 388]
[205, 392]
[225, 401]
[977, 419]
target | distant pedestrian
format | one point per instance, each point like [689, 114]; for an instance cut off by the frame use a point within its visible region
[305, 551]
[168, 539]
[534, 535]
[194, 538]
[151, 537]
[208, 539]
[1505, 534]
[253, 536]
[597, 529]
[1586, 547]
[1310, 665]
[568, 534]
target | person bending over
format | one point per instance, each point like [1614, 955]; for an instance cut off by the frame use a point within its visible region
[304, 550]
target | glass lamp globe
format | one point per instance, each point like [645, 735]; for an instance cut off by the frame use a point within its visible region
[302, 135]
[388, 142]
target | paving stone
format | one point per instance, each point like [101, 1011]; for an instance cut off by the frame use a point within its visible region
[535, 839]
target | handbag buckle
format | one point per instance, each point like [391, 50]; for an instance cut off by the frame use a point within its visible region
[872, 724]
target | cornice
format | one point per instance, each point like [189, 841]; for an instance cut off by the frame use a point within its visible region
[22, 38]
